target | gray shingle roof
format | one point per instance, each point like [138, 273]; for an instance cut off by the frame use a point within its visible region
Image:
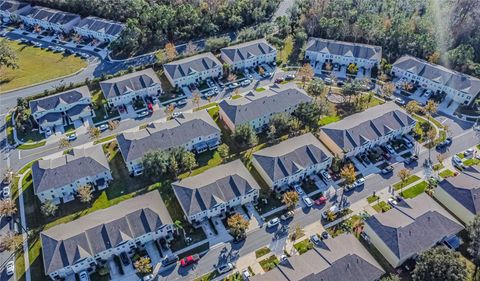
[257, 104]
[342, 258]
[171, 134]
[65, 244]
[50, 117]
[51, 15]
[347, 49]
[187, 66]
[12, 6]
[100, 25]
[371, 124]
[130, 82]
[465, 189]
[67, 97]
[63, 170]
[413, 226]
[220, 184]
[79, 108]
[286, 158]
[247, 50]
[442, 75]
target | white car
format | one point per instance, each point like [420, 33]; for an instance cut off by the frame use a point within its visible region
[287, 215]
[333, 209]
[72, 137]
[10, 268]
[83, 276]
[360, 182]
[142, 114]
[390, 149]
[245, 274]
[328, 81]
[6, 192]
[314, 238]
[392, 201]
[246, 82]
[326, 175]
[273, 222]
[233, 85]
[182, 102]
[299, 189]
[48, 132]
[224, 268]
[308, 202]
[400, 101]
[469, 152]
[155, 100]
[457, 161]
[176, 114]
[249, 76]
[103, 127]
[148, 277]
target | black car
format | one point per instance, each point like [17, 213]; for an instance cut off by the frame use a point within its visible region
[124, 258]
[168, 260]
[411, 159]
[340, 83]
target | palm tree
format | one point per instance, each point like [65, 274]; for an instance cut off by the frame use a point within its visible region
[179, 228]
[64, 143]
[403, 174]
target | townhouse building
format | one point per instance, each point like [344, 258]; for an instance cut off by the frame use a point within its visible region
[125, 89]
[321, 51]
[94, 239]
[249, 54]
[194, 69]
[256, 108]
[342, 258]
[363, 131]
[195, 131]
[63, 108]
[98, 28]
[459, 87]
[461, 194]
[50, 19]
[10, 10]
[216, 191]
[291, 161]
[410, 228]
[57, 179]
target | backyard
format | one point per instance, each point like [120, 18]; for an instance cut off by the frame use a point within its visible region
[36, 65]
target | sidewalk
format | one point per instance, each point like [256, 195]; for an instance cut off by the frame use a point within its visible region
[24, 223]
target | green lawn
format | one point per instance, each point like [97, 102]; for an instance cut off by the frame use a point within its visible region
[261, 89]
[303, 246]
[207, 277]
[446, 173]
[105, 139]
[236, 97]
[269, 263]
[286, 51]
[372, 198]
[438, 166]
[415, 190]
[262, 252]
[8, 122]
[410, 180]
[36, 65]
[27, 145]
[471, 162]
[381, 207]
[212, 104]
[328, 119]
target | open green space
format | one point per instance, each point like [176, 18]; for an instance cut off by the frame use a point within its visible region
[411, 179]
[381, 207]
[212, 104]
[471, 162]
[260, 89]
[269, 263]
[446, 173]
[36, 65]
[438, 166]
[415, 190]
[303, 246]
[372, 198]
[262, 252]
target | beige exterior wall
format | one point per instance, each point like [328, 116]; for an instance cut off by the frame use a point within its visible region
[262, 173]
[330, 144]
[381, 247]
[228, 123]
[453, 205]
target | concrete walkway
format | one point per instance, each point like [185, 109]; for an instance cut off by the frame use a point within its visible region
[23, 221]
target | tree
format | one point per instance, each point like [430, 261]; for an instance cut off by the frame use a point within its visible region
[441, 157]
[94, 133]
[308, 113]
[64, 143]
[169, 110]
[271, 133]
[238, 226]
[431, 108]
[223, 150]
[85, 193]
[403, 175]
[295, 125]
[290, 199]
[191, 48]
[297, 233]
[179, 227]
[215, 44]
[245, 136]
[352, 68]
[231, 77]
[48, 208]
[347, 173]
[11, 241]
[189, 161]
[8, 58]
[388, 89]
[261, 71]
[173, 167]
[196, 99]
[440, 263]
[155, 164]
[280, 121]
[143, 265]
[316, 88]
[473, 230]
[170, 51]
[305, 74]
[7, 208]
[412, 107]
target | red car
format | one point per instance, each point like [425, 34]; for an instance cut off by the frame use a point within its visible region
[320, 201]
[189, 260]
